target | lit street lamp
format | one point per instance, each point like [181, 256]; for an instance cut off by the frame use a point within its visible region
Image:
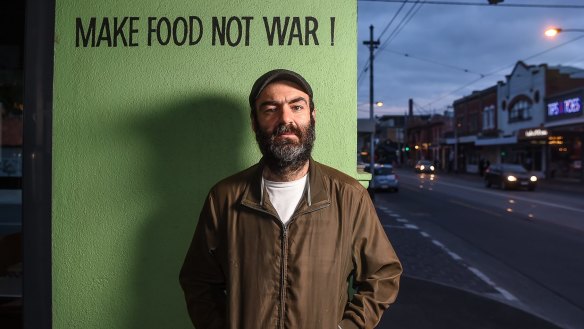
[553, 31]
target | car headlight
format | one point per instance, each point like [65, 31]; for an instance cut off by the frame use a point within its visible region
[533, 179]
[432, 168]
[422, 167]
[511, 178]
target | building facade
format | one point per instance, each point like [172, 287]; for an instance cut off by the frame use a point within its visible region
[533, 118]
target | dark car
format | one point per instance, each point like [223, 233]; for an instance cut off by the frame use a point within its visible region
[425, 166]
[509, 176]
[384, 178]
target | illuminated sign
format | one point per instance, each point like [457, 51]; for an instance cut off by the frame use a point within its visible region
[563, 107]
[536, 133]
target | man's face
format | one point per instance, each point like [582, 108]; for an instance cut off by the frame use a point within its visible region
[284, 125]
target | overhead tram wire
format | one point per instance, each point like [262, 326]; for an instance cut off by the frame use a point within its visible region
[436, 62]
[484, 4]
[503, 68]
[405, 20]
[392, 19]
[366, 66]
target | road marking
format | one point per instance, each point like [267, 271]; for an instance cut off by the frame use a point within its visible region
[490, 282]
[398, 227]
[506, 294]
[454, 255]
[474, 208]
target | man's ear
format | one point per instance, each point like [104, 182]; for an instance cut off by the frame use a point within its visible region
[313, 114]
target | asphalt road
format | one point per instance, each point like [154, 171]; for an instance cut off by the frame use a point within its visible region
[522, 248]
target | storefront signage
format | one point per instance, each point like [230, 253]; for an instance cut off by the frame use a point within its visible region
[562, 107]
[534, 133]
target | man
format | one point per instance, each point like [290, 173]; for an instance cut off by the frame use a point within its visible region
[277, 244]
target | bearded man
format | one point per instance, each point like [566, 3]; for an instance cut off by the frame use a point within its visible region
[279, 244]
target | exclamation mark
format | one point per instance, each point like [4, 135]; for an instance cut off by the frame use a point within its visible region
[332, 31]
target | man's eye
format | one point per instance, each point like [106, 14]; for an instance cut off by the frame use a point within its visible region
[297, 107]
[269, 110]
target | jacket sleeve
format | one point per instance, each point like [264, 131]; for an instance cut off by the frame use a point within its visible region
[377, 270]
[201, 276]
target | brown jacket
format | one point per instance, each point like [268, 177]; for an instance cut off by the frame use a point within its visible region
[246, 270]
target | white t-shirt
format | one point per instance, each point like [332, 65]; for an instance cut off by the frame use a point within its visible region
[285, 196]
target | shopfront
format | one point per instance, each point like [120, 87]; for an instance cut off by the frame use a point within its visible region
[530, 149]
[565, 123]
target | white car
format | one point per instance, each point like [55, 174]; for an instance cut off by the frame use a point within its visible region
[384, 178]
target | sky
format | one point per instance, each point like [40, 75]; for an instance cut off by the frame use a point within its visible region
[444, 52]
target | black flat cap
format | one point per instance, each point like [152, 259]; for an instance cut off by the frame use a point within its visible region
[277, 75]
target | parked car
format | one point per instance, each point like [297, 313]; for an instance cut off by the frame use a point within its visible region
[508, 176]
[384, 178]
[425, 166]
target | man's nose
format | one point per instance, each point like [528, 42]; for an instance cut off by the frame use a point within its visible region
[286, 115]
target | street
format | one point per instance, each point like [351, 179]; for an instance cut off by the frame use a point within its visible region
[521, 248]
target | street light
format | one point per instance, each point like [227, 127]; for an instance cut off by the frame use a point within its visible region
[553, 31]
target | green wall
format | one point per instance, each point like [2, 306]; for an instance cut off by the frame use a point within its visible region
[142, 132]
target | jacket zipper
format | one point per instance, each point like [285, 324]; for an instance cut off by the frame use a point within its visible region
[283, 265]
[284, 246]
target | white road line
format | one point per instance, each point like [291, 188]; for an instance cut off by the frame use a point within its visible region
[506, 294]
[490, 282]
[454, 255]
[398, 227]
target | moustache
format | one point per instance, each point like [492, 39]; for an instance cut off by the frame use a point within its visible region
[286, 129]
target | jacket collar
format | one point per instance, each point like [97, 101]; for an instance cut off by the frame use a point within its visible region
[316, 193]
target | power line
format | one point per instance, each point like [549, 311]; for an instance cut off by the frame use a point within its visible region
[394, 33]
[392, 19]
[501, 69]
[435, 62]
[484, 4]
[405, 20]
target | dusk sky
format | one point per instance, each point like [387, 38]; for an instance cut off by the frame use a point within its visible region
[455, 49]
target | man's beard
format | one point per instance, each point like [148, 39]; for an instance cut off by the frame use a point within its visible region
[285, 156]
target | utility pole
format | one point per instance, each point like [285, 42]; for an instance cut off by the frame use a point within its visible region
[372, 45]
